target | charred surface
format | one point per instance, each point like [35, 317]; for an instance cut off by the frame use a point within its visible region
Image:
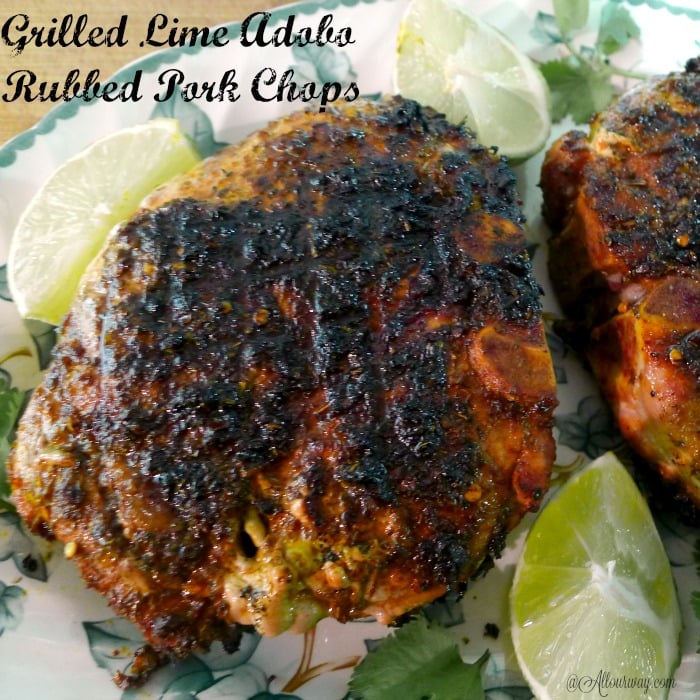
[624, 206]
[309, 380]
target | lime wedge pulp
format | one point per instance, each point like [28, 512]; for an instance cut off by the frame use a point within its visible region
[593, 599]
[449, 59]
[65, 224]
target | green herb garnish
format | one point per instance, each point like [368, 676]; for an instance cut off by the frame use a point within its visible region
[581, 82]
[418, 661]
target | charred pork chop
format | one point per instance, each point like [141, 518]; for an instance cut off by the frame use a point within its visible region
[624, 206]
[308, 379]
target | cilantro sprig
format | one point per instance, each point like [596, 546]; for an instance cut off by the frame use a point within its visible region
[419, 660]
[582, 83]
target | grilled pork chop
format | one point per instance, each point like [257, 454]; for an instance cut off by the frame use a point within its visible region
[308, 379]
[624, 206]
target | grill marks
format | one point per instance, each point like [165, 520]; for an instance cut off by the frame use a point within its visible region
[624, 206]
[267, 309]
[651, 207]
[324, 347]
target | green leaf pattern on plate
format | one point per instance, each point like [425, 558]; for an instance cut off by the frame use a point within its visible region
[672, 7]
[43, 336]
[559, 352]
[194, 120]
[591, 429]
[11, 607]
[214, 675]
[322, 64]
[4, 286]
[11, 401]
[112, 643]
[25, 551]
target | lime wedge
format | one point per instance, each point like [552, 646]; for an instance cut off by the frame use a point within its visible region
[449, 59]
[66, 222]
[593, 603]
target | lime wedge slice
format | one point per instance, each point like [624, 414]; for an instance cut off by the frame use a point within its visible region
[451, 60]
[65, 224]
[593, 602]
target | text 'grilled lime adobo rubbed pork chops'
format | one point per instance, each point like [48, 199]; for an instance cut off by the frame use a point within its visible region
[308, 379]
[624, 205]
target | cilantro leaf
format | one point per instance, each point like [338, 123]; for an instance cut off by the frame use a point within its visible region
[577, 88]
[616, 28]
[570, 14]
[581, 83]
[420, 661]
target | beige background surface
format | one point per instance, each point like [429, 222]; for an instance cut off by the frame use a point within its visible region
[52, 63]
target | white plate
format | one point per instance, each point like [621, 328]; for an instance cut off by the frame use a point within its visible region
[60, 641]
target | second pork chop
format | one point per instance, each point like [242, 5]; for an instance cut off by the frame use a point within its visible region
[624, 206]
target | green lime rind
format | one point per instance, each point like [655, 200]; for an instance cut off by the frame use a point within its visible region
[593, 592]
